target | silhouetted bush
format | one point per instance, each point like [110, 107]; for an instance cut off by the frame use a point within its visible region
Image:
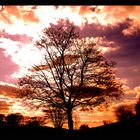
[84, 126]
[14, 120]
[2, 120]
[105, 122]
[137, 108]
[35, 121]
[123, 113]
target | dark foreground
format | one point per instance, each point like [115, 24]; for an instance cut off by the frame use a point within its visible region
[117, 131]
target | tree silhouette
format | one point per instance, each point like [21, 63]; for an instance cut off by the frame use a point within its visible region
[2, 120]
[137, 108]
[84, 126]
[14, 120]
[105, 122]
[57, 115]
[76, 121]
[123, 113]
[35, 121]
[72, 73]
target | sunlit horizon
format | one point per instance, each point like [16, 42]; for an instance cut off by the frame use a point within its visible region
[116, 30]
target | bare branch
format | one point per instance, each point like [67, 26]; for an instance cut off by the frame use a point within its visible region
[73, 72]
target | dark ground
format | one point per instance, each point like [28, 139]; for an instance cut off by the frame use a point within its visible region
[122, 130]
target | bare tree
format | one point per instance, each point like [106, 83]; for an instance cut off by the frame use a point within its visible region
[76, 121]
[72, 73]
[57, 115]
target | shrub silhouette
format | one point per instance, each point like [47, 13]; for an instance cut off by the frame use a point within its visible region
[84, 126]
[14, 120]
[35, 122]
[2, 120]
[105, 122]
[137, 108]
[123, 113]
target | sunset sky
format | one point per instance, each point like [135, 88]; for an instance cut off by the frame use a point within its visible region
[117, 29]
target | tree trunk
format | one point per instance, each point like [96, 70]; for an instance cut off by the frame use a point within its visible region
[70, 121]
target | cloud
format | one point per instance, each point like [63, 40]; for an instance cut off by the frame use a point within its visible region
[9, 103]
[81, 10]
[85, 9]
[10, 14]
[8, 91]
[23, 38]
[103, 14]
[112, 24]
[30, 16]
[122, 49]
[21, 55]
[110, 15]
[8, 67]
[7, 98]
[137, 91]
[4, 107]
[116, 14]
[127, 56]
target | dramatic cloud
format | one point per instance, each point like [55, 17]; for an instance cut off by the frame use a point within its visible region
[4, 107]
[16, 37]
[8, 91]
[10, 14]
[8, 67]
[121, 48]
[119, 14]
[9, 103]
[115, 28]
[16, 50]
[7, 97]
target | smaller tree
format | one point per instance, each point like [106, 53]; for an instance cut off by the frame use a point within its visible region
[84, 126]
[76, 121]
[123, 113]
[2, 120]
[35, 122]
[137, 108]
[14, 120]
[105, 122]
[56, 115]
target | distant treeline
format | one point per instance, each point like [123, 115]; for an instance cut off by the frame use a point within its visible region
[17, 120]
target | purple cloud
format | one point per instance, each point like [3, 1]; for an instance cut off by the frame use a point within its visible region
[128, 54]
[7, 67]
[16, 37]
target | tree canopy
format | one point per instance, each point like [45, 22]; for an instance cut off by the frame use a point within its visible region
[73, 72]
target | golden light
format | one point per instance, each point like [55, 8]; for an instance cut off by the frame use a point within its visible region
[104, 49]
[26, 111]
[25, 55]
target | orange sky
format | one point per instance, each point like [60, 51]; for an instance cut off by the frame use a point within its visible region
[112, 25]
